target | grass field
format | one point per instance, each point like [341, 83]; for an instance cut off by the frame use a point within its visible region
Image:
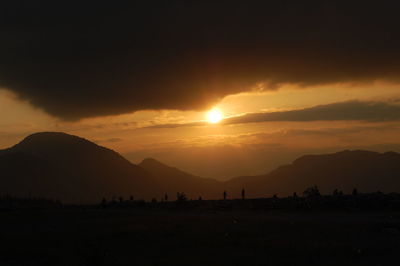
[159, 237]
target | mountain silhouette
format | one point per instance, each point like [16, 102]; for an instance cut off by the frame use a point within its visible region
[72, 169]
[174, 180]
[365, 170]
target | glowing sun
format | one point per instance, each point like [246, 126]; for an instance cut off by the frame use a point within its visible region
[214, 116]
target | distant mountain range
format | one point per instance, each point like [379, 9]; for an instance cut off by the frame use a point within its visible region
[73, 169]
[175, 180]
[365, 170]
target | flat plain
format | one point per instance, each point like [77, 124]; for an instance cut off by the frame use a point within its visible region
[91, 236]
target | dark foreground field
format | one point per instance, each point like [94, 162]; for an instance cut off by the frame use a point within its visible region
[178, 237]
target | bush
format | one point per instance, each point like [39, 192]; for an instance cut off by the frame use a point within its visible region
[311, 192]
[181, 197]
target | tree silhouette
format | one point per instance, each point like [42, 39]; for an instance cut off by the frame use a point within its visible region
[311, 192]
[337, 192]
[225, 194]
[243, 194]
[181, 197]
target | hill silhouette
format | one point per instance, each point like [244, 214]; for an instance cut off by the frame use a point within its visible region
[72, 169]
[365, 170]
[175, 180]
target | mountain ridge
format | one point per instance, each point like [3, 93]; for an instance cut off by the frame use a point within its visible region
[84, 169]
[59, 165]
[366, 170]
[179, 180]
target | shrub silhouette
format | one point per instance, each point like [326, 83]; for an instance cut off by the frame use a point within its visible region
[337, 192]
[181, 197]
[312, 192]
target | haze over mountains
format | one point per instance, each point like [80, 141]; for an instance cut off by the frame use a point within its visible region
[173, 180]
[365, 170]
[72, 169]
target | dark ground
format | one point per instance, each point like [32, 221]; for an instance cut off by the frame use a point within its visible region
[177, 237]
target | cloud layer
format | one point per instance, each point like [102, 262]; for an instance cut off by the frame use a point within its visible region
[78, 59]
[341, 111]
[350, 110]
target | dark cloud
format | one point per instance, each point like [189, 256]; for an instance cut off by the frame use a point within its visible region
[83, 58]
[349, 110]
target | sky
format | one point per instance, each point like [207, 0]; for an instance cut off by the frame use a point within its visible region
[289, 77]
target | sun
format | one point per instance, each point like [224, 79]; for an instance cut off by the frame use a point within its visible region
[214, 116]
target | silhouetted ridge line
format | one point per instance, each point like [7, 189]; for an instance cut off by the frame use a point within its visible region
[369, 171]
[153, 165]
[175, 180]
[57, 142]
[70, 168]
[73, 169]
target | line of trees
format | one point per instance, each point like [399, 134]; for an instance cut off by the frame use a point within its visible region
[310, 198]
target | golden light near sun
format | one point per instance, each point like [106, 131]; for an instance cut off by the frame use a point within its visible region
[214, 116]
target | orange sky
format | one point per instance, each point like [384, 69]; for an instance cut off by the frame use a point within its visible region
[221, 151]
